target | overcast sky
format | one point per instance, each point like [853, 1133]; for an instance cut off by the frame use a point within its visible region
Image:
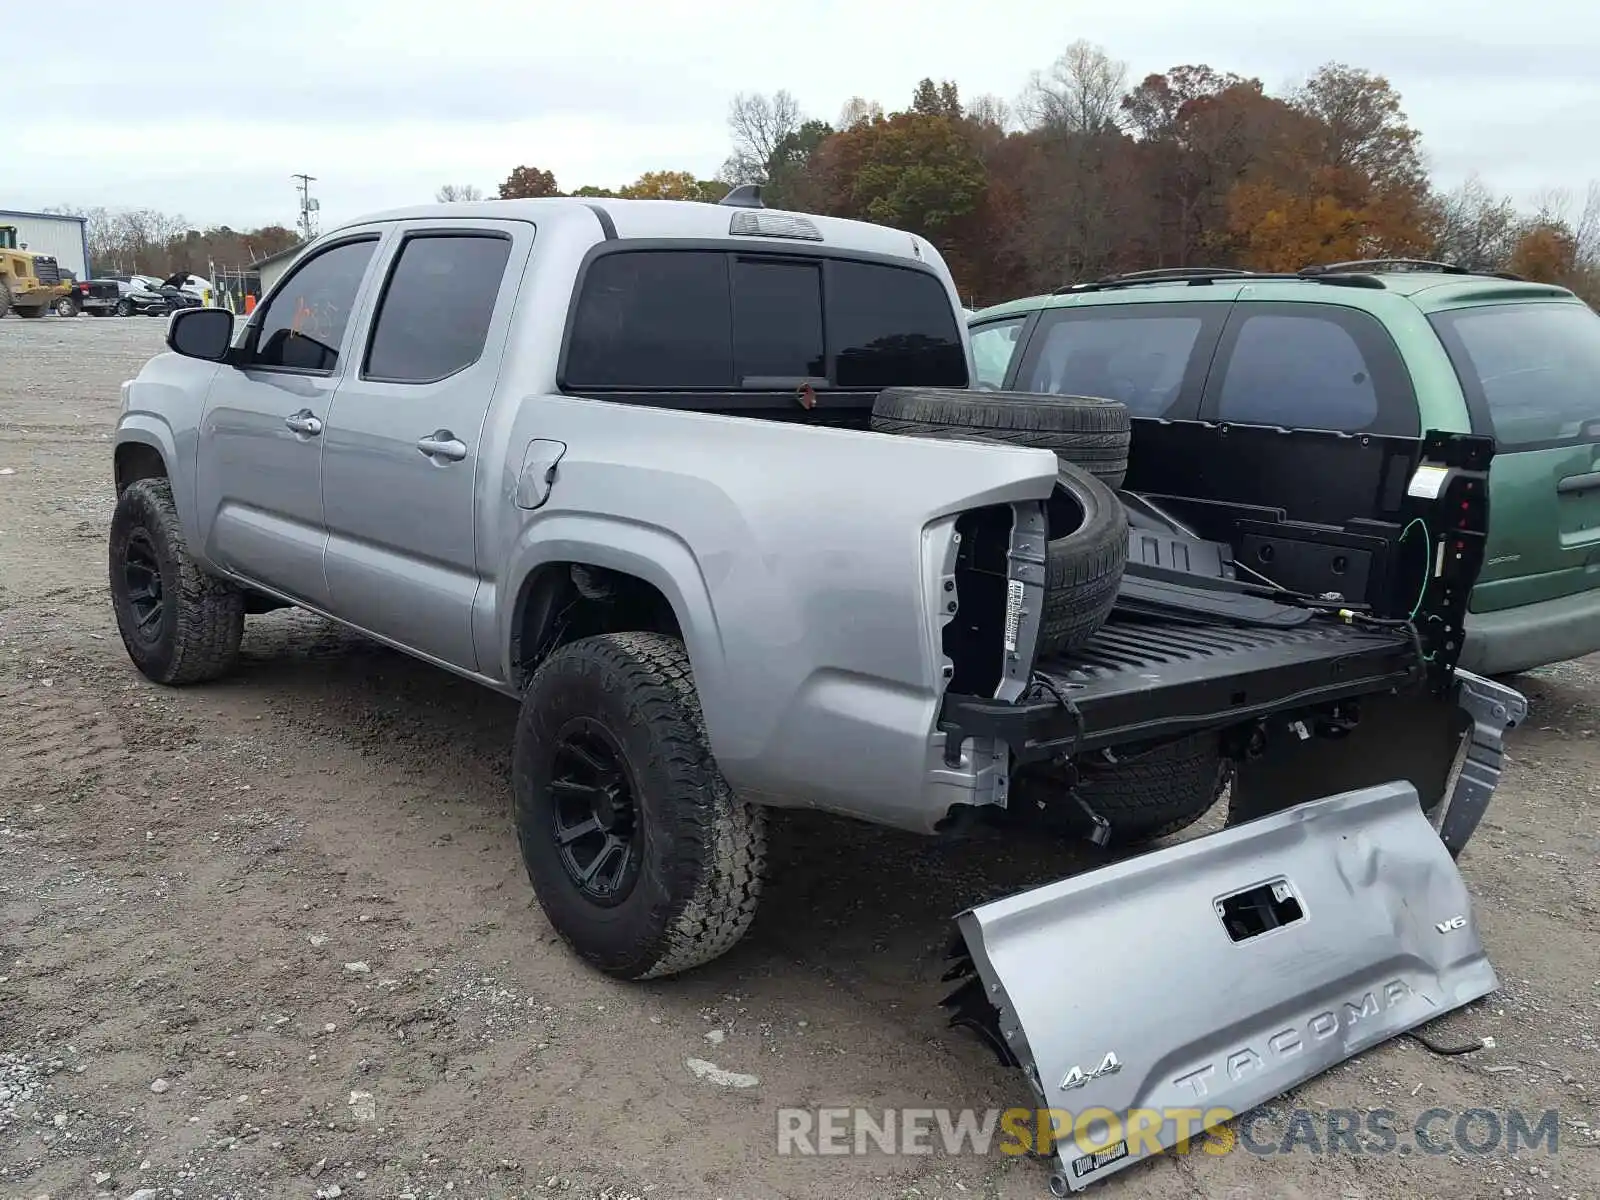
[206, 109]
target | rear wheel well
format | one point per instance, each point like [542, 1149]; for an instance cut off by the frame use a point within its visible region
[563, 601]
[136, 461]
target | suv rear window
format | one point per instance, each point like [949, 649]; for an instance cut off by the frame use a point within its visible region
[686, 320]
[1532, 368]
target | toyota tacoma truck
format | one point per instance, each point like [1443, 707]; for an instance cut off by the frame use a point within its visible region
[707, 489]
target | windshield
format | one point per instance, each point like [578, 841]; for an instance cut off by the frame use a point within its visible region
[1533, 367]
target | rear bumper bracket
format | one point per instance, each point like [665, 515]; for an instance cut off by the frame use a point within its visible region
[1493, 708]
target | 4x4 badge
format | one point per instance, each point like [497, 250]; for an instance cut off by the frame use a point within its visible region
[1077, 1077]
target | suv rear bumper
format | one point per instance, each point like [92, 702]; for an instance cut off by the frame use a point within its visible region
[1532, 635]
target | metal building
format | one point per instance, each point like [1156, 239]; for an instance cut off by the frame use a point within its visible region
[66, 239]
[271, 269]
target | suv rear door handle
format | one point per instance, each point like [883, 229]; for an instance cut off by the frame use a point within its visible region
[441, 443]
[304, 422]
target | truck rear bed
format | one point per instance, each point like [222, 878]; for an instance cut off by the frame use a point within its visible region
[1142, 678]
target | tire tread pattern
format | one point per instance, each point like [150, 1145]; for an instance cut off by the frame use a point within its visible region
[1083, 569]
[1090, 432]
[717, 841]
[210, 611]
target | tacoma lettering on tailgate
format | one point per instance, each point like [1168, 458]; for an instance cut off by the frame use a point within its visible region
[1288, 1042]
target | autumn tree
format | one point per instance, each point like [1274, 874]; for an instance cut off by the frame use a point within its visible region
[790, 180]
[758, 125]
[673, 185]
[1471, 227]
[991, 111]
[913, 170]
[1200, 133]
[857, 110]
[1080, 92]
[1352, 186]
[1545, 251]
[147, 242]
[528, 183]
[1361, 128]
[936, 100]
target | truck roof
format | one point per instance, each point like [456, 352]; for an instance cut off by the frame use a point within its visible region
[687, 219]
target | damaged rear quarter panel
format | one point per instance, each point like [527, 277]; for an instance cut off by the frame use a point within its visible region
[803, 564]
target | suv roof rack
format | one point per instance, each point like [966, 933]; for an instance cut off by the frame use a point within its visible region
[1203, 276]
[1402, 264]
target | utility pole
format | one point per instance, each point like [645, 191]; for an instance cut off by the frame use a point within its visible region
[307, 206]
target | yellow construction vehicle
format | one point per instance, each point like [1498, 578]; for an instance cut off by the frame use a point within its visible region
[29, 283]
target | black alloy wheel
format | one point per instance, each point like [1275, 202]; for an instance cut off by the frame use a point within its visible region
[594, 814]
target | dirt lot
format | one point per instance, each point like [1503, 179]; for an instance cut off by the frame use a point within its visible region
[187, 877]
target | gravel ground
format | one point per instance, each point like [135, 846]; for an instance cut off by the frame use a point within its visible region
[272, 937]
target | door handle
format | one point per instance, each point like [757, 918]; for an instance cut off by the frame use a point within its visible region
[441, 443]
[304, 422]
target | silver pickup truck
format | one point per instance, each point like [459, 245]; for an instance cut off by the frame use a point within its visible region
[705, 488]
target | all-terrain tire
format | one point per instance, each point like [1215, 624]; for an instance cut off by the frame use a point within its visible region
[32, 312]
[5, 298]
[65, 307]
[702, 850]
[1084, 564]
[124, 308]
[1146, 794]
[200, 619]
[1086, 431]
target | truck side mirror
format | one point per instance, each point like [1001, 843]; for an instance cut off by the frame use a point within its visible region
[204, 333]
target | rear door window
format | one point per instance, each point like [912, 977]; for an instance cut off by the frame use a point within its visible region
[1151, 357]
[433, 317]
[993, 347]
[687, 320]
[1531, 369]
[1310, 366]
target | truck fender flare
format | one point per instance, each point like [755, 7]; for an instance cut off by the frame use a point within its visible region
[148, 430]
[655, 555]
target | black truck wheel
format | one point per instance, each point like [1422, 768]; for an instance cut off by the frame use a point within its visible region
[1146, 794]
[642, 858]
[179, 624]
[125, 308]
[1085, 431]
[65, 307]
[1084, 561]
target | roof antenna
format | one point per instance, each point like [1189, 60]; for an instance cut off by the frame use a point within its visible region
[746, 195]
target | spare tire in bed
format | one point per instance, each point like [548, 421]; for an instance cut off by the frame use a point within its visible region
[1149, 792]
[1082, 430]
[1084, 560]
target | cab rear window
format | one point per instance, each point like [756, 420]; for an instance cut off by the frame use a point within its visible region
[686, 320]
[1531, 369]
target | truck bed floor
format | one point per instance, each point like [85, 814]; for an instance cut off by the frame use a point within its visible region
[1143, 678]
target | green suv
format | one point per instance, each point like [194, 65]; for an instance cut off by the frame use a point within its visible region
[1390, 347]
